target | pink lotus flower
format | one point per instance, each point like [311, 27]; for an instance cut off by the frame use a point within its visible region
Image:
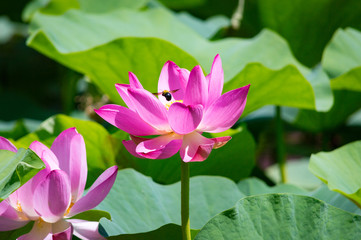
[190, 105]
[54, 195]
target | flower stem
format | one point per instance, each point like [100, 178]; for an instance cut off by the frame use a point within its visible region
[281, 158]
[186, 230]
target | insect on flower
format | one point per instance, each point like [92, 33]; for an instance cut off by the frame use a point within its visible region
[167, 94]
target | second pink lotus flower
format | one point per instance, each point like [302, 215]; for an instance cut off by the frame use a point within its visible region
[55, 194]
[194, 105]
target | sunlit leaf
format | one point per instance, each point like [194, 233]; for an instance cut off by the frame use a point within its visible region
[58, 7]
[105, 47]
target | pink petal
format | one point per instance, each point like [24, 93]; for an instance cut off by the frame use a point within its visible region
[97, 192]
[69, 148]
[197, 88]
[13, 199]
[126, 120]
[225, 111]
[184, 119]
[123, 92]
[216, 79]
[62, 230]
[220, 141]
[134, 82]
[86, 230]
[171, 78]
[26, 192]
[7, 224]
[150, 109]
[123, 89]
[131, 146]
[195, 147]
[4, 206]
[160, 147]
[23, 197]
[7, 145]
[45, 154]
[52, 196]
[185, 75]
[9, 218]
[40, 230]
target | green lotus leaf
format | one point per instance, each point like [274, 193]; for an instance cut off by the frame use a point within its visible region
[282, 216]
[106, 46]
[16, 169]
[340, 169]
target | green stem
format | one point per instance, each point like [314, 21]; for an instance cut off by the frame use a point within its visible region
[186, 230]
[281, 158]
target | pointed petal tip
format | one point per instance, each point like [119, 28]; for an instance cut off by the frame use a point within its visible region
[170, 62]
[131, 75]
[5, 144]
[71, 130]
[245, 89]
[96, 193]
[221, 141]
[113, 169]
[197, 68]
[131, 146]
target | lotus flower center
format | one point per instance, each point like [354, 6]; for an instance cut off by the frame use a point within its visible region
[168, 104]
[18, 207]
[20, 212]
[40, 222]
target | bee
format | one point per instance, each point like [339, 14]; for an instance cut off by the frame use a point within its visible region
[167, 94]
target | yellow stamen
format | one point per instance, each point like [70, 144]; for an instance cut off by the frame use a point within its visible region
[18, 207]
[69, 208]
[20, 212]
[168, 104]
[40, 222]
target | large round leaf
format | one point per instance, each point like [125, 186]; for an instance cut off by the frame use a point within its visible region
[137, 204]
[282, 216]
[58, 7]
[105, 47]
